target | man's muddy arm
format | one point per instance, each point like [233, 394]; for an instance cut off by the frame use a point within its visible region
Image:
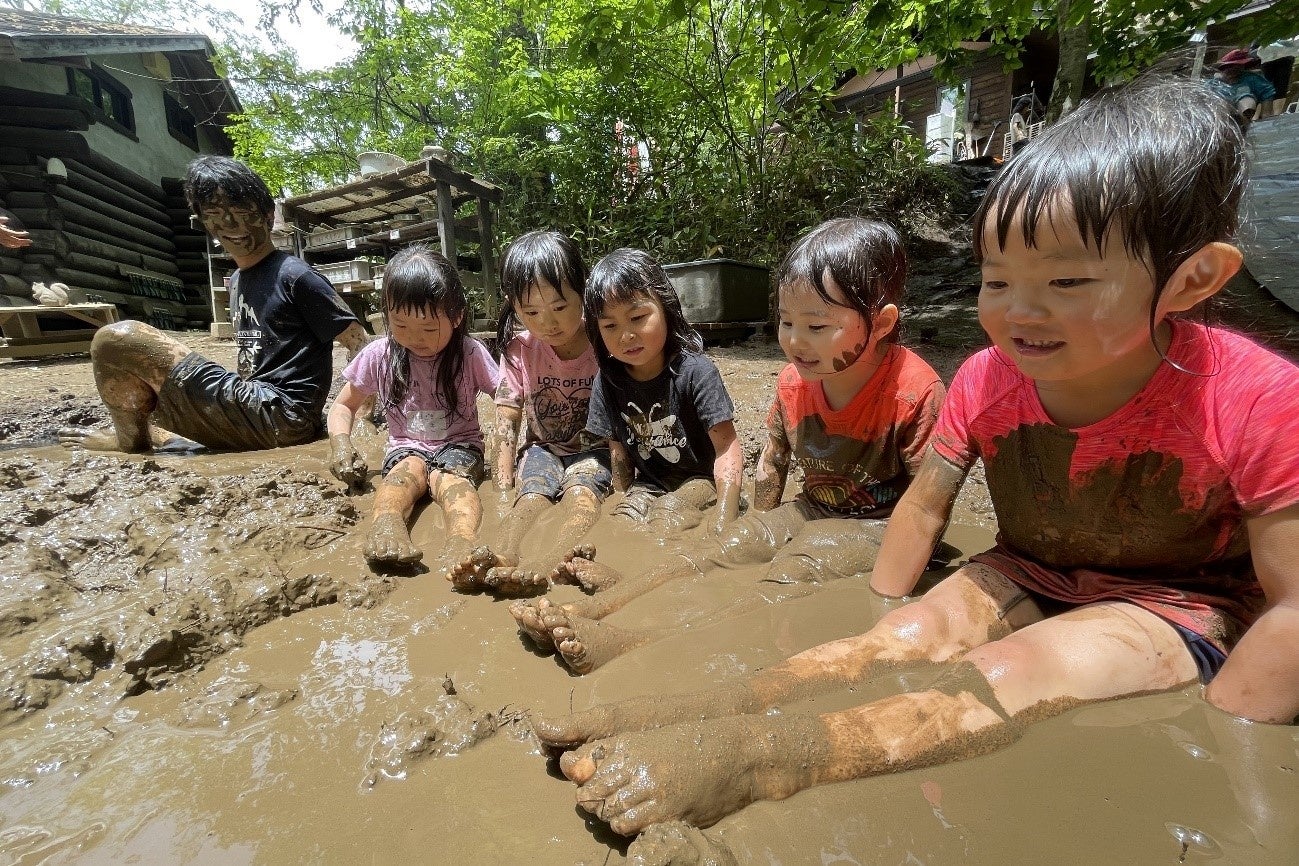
[1260, 679]
[917, 523]
[772, 472]
[353, 338]
[507, 442]
[728, 472]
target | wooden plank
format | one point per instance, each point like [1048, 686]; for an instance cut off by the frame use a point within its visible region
[47, 118]
[446, 221]
[45, 141]
[44, 351]
[487, 252]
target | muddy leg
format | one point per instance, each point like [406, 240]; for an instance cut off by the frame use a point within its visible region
[966, 610]
[131, 362]
[701, 772]
[389, 539]
[583, 509]
[462, 509]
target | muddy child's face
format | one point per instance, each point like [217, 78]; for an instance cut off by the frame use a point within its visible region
[1064, 312]
[425, 334]
[244, 231]
[554, 317]
[818, 338]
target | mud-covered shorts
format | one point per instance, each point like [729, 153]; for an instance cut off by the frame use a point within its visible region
[552, 475]
[463, 460]
[203, 401]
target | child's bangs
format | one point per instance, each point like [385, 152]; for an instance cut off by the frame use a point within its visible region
[1070, 193]
[546, 260]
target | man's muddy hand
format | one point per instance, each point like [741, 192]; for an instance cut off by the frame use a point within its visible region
[345, 463]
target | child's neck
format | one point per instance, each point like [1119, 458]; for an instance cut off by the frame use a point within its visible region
[842, 388]
[648, 370]
[574, 348]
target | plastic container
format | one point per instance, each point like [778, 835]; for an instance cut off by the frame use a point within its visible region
[378, 162]
[329, 237]
[721, 290]
[346, 272]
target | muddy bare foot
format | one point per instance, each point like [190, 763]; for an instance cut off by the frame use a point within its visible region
[644, 714]
[515, 581]
[586, 644]
[106, 439]
[531, 619]
[676, 843]
[698, 773]
[470, 573]
[579, 567]
[389, 542]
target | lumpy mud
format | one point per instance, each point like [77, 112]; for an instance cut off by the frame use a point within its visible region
[199, 667]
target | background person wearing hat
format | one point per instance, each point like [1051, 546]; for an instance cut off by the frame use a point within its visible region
[1241, 83]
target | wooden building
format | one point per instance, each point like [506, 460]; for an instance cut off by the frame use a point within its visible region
[97, 124]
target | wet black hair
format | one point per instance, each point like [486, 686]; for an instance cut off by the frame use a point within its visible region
[418, 280]
[627, 275]
[864, 257]
[1159, 162]
[209, 175]
[536, 258]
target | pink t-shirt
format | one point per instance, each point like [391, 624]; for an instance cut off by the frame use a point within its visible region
[553, 393]
[1148, 505]
[422, 421]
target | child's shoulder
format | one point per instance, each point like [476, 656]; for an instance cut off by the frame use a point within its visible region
[912, 370]
[1235, 364]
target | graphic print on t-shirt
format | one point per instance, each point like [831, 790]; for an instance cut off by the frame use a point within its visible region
[654, 434]
[248, 337]
[429, 424]
[559, 407]
[835, 468]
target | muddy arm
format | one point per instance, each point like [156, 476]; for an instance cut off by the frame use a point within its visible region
[345, 464]
[507, 441]
[353, 339]
[728, 471]
[620, 463]
[1260, 679]
[917, 523]
[773, 470]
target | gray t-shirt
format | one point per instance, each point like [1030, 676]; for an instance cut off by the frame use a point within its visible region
[663, 422]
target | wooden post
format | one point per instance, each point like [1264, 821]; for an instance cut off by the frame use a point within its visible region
[446, 221]
[487, 252]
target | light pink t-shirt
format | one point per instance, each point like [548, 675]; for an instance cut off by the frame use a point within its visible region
[553, 393]
[422, 421]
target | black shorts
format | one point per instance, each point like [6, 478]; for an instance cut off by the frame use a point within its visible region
[203, 401]
[463, 460]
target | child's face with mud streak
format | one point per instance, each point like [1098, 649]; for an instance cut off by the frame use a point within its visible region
[820, 339]
[424, 332]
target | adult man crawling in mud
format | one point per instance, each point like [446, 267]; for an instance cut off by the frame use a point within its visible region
[286, 318]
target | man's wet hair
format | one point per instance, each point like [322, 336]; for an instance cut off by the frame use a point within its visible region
[623, 277]
[1158, 163]
[538, 258]
[209, 175]
[420, 281]
[864, 257]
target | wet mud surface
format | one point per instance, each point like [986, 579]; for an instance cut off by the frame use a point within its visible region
[199, 667]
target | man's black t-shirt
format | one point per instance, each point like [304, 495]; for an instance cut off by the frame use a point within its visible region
[663, 422]
[286, 317]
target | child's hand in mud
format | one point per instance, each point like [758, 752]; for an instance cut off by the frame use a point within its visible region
[345, 463]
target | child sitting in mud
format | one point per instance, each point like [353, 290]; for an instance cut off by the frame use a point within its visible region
[853, 408]
[658, 400]
[426, 373]
[547, 373]
[1143, 469]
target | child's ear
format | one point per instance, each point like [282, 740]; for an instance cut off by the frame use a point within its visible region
[884, 322]
[1200, 277]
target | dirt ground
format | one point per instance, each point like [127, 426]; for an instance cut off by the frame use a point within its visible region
[199, 667]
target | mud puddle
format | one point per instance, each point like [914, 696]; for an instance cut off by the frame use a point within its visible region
[199, 668]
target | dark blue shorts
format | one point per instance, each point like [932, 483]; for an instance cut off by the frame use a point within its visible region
[463, 460]
[1208, 658]
[552, 475]
[205, 402]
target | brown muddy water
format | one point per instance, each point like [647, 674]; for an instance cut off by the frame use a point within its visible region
[199, 668]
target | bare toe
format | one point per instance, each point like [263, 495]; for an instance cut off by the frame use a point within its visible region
[514, 581]
[676, 843]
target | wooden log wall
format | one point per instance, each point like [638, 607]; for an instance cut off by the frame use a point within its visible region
[108, 233]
